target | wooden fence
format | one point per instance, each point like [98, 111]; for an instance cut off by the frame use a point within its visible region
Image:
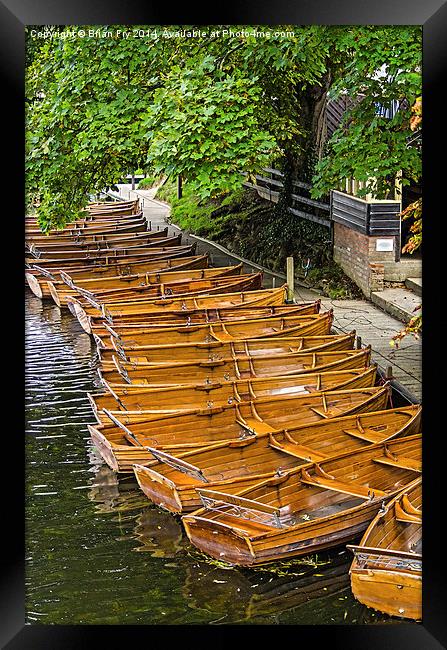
[269, 186]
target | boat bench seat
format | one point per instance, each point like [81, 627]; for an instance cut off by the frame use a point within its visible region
[407, 517]
[401, 463]
[356, 490]
[328, 413]
[299, 451]
[257, 426]
[367, 435]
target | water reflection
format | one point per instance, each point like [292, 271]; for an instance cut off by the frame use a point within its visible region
[156, 532]
[244, 595]
[159, 533]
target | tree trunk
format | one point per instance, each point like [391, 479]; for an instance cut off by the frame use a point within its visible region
[311, 105]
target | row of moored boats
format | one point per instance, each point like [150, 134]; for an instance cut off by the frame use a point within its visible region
[270, 435]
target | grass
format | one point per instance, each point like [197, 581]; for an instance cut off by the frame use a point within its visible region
[148, 182]
[204, 218]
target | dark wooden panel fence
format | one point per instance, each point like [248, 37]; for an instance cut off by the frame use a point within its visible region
[374, 219]
[269, 185]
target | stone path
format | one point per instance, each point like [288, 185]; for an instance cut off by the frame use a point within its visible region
[374, 326]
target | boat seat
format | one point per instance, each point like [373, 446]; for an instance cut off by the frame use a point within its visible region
[406, 517]
[299, 451]
[319, 412]
[356, 490]
[257, 426]
[367, 435]
[401, 463]
[329, 413]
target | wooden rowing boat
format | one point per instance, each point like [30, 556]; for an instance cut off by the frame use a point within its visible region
[386, 573]
[130, 247]
[112, 206]
[217, 350]
[99, 288]
[195, 333]
[88, 234]
[189, 311]
[137, 404]
[100, 206]
[123, 209]
[115, 256]
[126, 300]
[121, 446]
[94, 241]
[131, 333]
[230, 467]
[233, 368]
[37, 277]
[89, 223]
[123, 302]
[86, 223]
[237, 330]
[87, 215]
[304, 510]
[138, 335]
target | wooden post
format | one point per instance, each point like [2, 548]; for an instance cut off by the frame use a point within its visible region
[290, 272]
[179, 186]
[133, 180]
[389, 373]
[358, 342]
[273, 282]
[398, 186]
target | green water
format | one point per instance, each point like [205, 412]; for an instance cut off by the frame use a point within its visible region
[97, 551]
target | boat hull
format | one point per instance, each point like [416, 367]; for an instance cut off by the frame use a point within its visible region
[395, 594]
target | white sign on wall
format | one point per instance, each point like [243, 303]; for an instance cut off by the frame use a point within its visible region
[385, 244]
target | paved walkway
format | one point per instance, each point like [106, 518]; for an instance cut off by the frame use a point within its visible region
[374, 326]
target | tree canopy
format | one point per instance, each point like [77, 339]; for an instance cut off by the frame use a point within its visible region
[213, 106]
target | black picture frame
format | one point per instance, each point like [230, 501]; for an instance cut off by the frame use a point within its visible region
[432, 14]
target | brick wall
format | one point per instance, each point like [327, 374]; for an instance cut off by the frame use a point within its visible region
[356, 254]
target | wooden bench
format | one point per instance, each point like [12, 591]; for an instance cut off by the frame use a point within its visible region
[356, 490]
[401, 463]
[367, 435]
[406, 517]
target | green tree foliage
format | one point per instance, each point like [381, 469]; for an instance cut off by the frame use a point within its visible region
[383, 66]
[209, 108]
[203, 124]
[414, 213]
